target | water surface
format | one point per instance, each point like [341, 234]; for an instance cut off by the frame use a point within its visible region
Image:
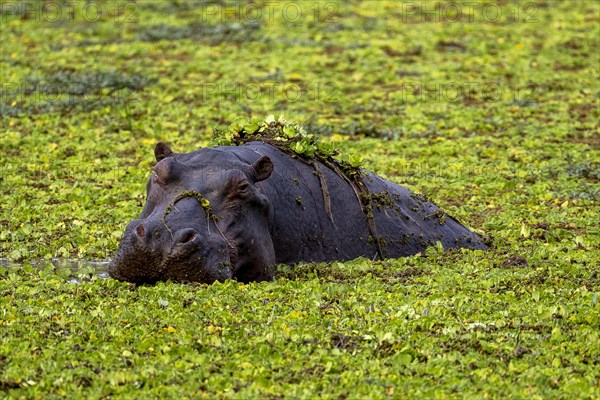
[98, 267]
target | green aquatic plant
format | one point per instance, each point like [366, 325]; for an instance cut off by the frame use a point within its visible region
[491, 110]
[288, 136]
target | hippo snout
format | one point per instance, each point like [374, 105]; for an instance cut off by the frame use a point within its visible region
[149, 252]
[182, 236]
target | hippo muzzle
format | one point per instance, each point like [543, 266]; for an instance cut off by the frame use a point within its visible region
[151, 251]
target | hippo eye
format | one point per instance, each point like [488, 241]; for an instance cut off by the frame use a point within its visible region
[238, 188]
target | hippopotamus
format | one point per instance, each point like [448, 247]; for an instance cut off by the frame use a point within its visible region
[234, 212]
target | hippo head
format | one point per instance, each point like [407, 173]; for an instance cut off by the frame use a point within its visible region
[205, 220]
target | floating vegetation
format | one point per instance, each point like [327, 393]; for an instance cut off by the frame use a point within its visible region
[519, 321]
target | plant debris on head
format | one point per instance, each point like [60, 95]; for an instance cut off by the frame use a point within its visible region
[288, 137]
[204, 203]
[292, 139]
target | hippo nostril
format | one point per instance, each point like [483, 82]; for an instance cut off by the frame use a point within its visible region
[141, 231]
[187, 235]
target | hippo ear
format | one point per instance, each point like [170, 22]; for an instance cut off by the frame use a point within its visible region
[162, 151]
[262, 168]
[168, 170]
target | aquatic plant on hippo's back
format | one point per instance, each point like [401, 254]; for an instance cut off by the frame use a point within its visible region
[271, 194]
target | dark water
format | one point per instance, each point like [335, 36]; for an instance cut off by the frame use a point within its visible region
[97, 267]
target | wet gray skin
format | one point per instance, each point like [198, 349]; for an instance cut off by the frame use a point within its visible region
[267, 207]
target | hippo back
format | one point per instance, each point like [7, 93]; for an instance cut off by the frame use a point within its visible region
[303, 229]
